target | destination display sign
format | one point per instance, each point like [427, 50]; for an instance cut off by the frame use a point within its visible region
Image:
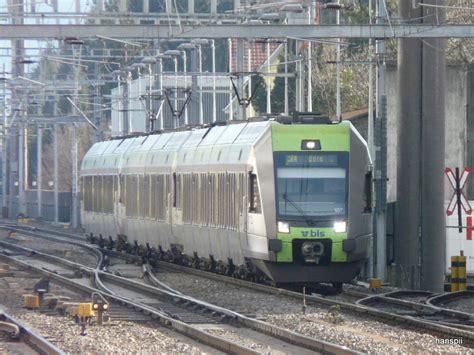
[308, 160]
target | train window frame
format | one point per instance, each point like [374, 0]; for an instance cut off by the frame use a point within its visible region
[255, 204]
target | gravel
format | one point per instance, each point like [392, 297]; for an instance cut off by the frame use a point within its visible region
[355, 331]
[68, 251]
[462, 305]
[114, 337]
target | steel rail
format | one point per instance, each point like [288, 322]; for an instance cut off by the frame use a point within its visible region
[443, 299]
[259, 326]
[176, 325]
[423, 310]
[28, 336]
[441, 329]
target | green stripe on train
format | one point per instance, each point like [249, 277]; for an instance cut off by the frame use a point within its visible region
[286, 254]
[333, 137]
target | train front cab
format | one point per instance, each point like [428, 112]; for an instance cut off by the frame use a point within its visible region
[323, 181]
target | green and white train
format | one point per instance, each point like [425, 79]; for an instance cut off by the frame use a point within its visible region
[282, 199]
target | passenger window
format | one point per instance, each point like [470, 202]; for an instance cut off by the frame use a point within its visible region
[368, 193]
[254, 198]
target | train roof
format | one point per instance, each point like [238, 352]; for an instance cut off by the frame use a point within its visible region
[240, 134]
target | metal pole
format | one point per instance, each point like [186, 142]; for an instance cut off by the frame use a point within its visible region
[268, 80]
[97, 101]
[249, 68]
[185, 63]
[39, 168]
[21, 169]
[370, 136]
[126, 92]
[240, 81]
[310, 60]
[175, 117]
[214, 95]
[4, 149]
[161, 91]
[201, 113]
[338, 67]
[229, 47]
[286, 78]
[74, 188]
[55, 173]
[380, 166]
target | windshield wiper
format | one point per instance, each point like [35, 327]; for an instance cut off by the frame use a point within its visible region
[308, 220]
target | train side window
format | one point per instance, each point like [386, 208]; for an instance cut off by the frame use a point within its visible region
[254, 192]
[368, 193]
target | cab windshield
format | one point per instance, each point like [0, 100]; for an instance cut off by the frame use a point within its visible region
[311, 185]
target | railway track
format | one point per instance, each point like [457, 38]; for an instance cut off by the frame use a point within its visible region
[181, 311]
[350, 302]
[30, 341]
[459, 301]
[389, 303]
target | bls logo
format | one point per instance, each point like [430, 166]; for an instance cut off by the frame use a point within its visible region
[313, 233]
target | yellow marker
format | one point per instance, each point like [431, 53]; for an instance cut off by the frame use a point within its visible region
[462, 273]
[85, 310]
[454, 274]
[31, 301]
[375, 283]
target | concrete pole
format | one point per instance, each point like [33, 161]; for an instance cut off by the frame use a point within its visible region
[407, 234]
[286, 78]
[55, 173]
[433, 225]
[381, 158]
[213, 7]
[74, 207]
[214, 95]
[190, 7]
[39, 168]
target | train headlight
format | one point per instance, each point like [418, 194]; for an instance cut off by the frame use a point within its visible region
[314, 144]
[340, 227]
[283, 227]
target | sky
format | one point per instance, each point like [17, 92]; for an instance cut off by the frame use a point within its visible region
[42, 6]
